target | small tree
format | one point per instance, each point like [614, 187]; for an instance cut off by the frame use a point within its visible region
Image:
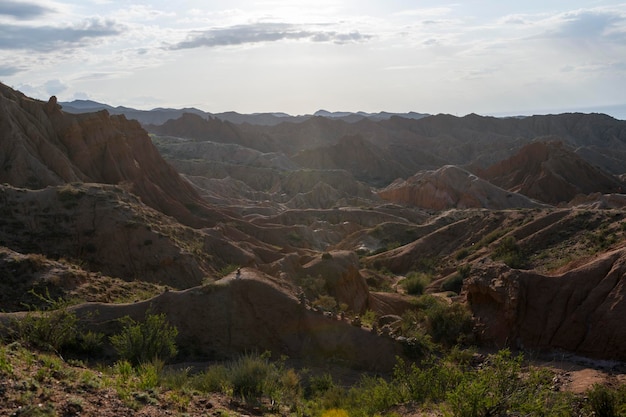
[53, 329]
[144, 342]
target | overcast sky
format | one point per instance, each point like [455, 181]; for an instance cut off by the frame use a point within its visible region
[483, 56]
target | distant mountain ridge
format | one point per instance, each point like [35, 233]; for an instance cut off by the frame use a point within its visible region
[161, 115]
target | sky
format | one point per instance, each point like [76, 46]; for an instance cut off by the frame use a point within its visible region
[490, 57]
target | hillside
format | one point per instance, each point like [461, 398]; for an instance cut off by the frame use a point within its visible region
[452, 187]
[357, 242]
[44, 146]
[551, 173]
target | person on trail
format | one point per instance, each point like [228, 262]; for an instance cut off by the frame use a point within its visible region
[238, 273]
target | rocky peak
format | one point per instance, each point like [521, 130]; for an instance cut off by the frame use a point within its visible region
[44, 146]
[551, 172]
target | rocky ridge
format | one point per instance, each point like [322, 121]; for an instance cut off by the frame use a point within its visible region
[97, 191]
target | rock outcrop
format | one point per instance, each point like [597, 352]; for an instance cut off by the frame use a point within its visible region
[551, 173]
[452, 187]
[226, 318]
[343, 280]
[108, 230]
[44, 146]
[580, 311]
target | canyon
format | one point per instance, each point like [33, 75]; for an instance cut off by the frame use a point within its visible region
[519, 220]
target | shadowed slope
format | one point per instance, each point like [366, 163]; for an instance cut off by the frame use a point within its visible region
[44, 146]
[550, 172]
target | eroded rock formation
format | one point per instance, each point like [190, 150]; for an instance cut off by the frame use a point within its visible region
[579, 311]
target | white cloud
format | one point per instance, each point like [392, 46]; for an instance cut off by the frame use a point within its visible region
[54, 87]
[262, 33]
[52, 38]
[23, 10]
[286, 56]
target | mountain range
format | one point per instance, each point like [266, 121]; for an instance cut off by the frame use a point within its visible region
[161, 115]
[519, 220]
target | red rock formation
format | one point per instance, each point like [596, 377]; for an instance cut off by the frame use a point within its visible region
[580, 311]
[44, 146]
[550, 172]
[451, 187]
[340, 270]
[231, 316]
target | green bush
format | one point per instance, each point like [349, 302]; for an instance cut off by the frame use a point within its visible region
[446, 323]
[254, 376]
[454, 283]
[602, 401]
[144, 342]
[91, 342]
[372, 396]
[509, 252]
[326, 303]
[501, 387]
[415, 282]
[214, 379]
[248, 375]
[54, 329]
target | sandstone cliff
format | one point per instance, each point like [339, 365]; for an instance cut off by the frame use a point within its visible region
[578, 311]
[551, 173]
[44, 146]
[226, 318]
[452, 187]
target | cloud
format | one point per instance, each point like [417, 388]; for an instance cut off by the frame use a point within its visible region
[590, 24]
[263, 32]
[22, 11]
[7, 70]
[49, 38]
[54, 87]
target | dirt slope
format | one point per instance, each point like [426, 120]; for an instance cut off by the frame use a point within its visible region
[45, 146]
[452, 187]
[551, 173]
[232, 315]
[579, 311]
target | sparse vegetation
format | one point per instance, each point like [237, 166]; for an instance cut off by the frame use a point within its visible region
[144, 342]
[52, 329]
[453, 383]
[455, 282]
[509, 252]
[415, 282]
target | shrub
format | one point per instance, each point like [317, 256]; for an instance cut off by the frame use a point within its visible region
[373, 395]
[369, 318]
[326, 303]
[144, 342]
[149, 374]
[509, 252]
[320, 384]
[462, 253]
[454, 283]
[415, 282]
[248, 375]
[253, 376]
[91, 342]
[228, 269]
[499, 387]
[448, 323]
[53, 329]
[215, 379]
[602, 401]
